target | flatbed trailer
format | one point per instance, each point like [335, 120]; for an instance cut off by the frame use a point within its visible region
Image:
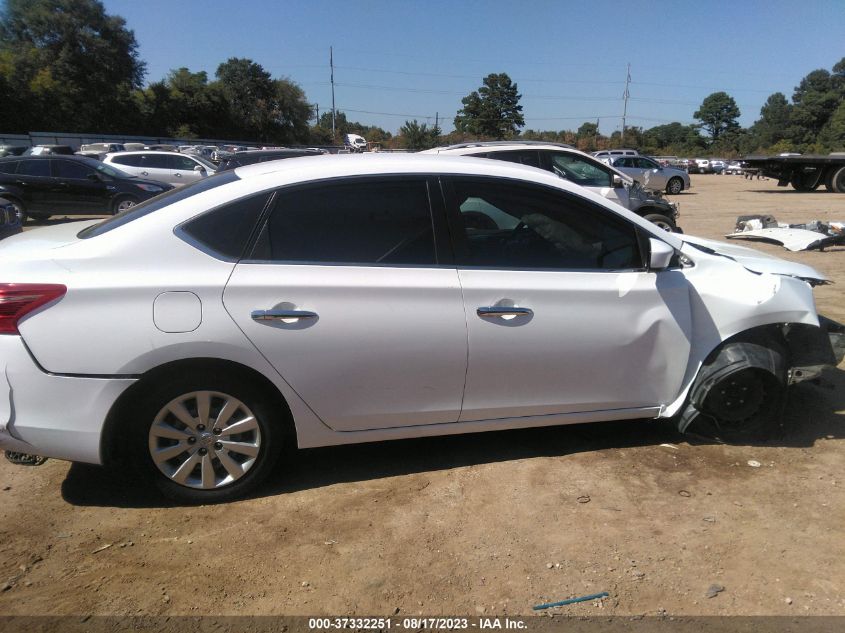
[804, 173]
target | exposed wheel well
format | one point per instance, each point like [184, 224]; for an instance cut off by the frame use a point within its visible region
[126, 403]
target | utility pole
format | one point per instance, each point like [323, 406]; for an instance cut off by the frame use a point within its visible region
[625, 97]
[331, 65]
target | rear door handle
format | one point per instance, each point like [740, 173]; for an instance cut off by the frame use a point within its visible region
[144, 173]
[279, 315]
[499, 311]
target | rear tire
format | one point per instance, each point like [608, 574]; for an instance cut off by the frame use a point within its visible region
[123, 203]
[662, 221]
[674, 186]
[837, 181]
[229, 432]
[805, 182]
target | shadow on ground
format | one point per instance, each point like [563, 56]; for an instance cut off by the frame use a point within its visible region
[815, 411]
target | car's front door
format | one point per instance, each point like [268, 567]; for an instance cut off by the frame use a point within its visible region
[78, 188]
[653, 177]
[183, 171]
[562, 315]
[350, 294]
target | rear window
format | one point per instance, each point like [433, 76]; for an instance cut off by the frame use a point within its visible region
[158, 202]
[34, 168]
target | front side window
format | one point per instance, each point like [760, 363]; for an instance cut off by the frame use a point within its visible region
[523, 226]
[68, 169]
[645, 163]
[182, 163]
[385, 222]
[581, 171]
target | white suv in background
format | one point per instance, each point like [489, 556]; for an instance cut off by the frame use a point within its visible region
[580, 169]
[170, 167]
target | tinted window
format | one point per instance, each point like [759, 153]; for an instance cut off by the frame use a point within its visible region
[68, 169]
[133, 160]
[581, 171]
[34, 168]
[158, 202]
[8, 167]
[182, 162]
[523, 157]
[367, 222]
[226, 230]
[520, 226]
[645, 163]
[155, 161]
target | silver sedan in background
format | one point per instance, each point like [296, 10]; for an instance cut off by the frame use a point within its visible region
[652, 175]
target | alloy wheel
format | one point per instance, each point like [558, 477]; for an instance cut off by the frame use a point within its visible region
[204, 440]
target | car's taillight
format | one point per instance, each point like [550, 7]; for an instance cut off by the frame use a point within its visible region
[18, 300]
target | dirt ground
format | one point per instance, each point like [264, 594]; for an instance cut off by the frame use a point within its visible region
[490, 523]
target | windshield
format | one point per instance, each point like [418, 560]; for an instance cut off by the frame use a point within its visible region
[158, 202]
[108, 170]
[208, 164]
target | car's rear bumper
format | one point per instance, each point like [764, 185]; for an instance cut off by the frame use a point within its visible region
[52, 415]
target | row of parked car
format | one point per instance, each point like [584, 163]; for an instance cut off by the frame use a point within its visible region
[42, 184]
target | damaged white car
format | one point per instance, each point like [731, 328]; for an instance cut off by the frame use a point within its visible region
[312, 302]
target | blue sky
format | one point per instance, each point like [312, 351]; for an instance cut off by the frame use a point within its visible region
[398, 60]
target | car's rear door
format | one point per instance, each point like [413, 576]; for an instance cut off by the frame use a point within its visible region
[351, 295]
[562, 315]
[34, 180]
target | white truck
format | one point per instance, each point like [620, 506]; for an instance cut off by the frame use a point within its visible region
[355, 143]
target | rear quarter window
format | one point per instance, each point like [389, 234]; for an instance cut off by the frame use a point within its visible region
[224, 232]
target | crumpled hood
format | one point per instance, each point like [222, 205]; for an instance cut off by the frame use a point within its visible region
[755, 260]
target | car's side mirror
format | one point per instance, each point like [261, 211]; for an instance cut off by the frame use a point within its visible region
[199, 168]
[95, 177]
[617, 181]
[660, 254]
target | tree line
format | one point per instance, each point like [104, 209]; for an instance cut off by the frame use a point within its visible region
[66, 65]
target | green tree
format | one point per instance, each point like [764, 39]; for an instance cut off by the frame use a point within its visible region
[416, 136]
[249, 90]
[814, 101]
[493, 110]
[718, 114]
[68, 65]
[773, 124]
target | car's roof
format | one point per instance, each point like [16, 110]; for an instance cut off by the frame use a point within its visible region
[76, 157]
[496, 146]
[268, 152]
[145, 151]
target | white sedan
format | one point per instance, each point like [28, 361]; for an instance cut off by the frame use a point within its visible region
[359, 298]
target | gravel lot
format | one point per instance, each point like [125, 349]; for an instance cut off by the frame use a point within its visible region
[491, 523]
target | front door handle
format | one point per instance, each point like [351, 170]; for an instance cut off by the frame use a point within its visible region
[499, 311]
[280, 315]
